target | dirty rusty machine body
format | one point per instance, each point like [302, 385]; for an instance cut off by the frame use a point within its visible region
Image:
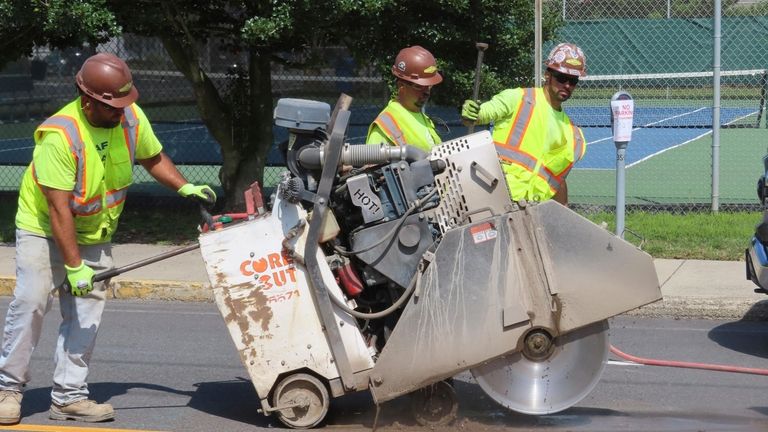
[397, 274]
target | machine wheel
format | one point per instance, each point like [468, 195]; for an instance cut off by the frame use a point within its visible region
[548, 375]
[435, 405]
[304, 398]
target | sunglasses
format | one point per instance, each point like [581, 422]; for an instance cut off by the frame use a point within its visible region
[106, 107]
[563, 78]
[415, 86]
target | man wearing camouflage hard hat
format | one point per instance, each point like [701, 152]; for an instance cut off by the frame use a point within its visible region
[536, 141]
[70, 199]
[403, 120]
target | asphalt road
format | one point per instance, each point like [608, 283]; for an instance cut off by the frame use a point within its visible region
[172, 367]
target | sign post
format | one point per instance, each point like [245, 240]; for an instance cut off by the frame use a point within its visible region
[622, 111]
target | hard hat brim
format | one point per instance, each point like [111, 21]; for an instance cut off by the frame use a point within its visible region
[427, 81]
[433, 80]
[124, 101]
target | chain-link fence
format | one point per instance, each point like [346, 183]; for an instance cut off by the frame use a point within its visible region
[661, 52]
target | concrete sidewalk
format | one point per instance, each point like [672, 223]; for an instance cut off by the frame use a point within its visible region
[691, 288]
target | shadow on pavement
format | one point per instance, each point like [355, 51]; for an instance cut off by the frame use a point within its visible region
[745, 336]
[38, 400]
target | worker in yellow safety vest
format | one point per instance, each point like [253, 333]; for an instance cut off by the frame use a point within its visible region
[536, 141]
[403, 120]
[70, 199]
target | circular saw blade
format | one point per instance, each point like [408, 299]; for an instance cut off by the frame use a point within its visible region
[551, 385]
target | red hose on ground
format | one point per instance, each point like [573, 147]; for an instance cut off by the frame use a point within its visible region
[689, 365]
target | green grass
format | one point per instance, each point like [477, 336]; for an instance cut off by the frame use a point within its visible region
[720, 236]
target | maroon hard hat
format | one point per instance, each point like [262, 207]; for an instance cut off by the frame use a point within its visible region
[569, 59]
[417, 65]
[106, 78]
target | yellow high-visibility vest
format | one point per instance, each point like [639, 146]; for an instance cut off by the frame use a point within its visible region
[537, 147]
[100, 188]
[403, 127]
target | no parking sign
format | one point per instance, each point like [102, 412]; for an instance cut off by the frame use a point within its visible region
[622, 112]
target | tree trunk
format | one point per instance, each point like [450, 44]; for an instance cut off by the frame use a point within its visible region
[243, 158]
[246, 166]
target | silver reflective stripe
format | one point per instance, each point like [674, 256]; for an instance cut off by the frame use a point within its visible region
[524, 114]
[116, 197]
[387, 122]
[578, 143]
[130, 130]
[89, 208]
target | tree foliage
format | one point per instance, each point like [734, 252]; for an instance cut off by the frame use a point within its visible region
[57, 23]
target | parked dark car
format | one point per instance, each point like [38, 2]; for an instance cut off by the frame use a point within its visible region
[757, 253]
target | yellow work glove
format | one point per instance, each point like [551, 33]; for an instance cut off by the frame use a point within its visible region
[470, 110]
[80, 279]
[203, 193]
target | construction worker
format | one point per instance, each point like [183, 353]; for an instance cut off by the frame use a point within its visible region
[70, 199]
[536, 141]
[403, 120]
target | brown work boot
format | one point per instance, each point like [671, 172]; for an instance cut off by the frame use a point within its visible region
[10, 407]
[84, 410]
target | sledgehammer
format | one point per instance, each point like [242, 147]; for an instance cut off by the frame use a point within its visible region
[481, 47]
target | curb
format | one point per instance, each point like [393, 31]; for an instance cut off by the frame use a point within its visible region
[142, 290]
[669, 307]
[705, 308]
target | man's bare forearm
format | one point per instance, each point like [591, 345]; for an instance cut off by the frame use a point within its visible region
[63, 225]
[162, 169]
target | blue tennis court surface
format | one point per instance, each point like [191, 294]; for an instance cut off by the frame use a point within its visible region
[601, 151]
[657, 130]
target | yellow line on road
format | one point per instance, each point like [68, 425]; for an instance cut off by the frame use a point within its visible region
[51, 428]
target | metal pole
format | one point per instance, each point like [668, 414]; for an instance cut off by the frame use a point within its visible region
[563, 10]
[537, 43]
[669, 9]
[716, 108]
[621, 151]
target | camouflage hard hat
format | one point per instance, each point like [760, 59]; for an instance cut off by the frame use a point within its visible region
[106, 78]
[568, 59]
[417, 65]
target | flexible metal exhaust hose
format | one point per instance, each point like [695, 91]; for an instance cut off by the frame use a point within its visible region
[361, 155]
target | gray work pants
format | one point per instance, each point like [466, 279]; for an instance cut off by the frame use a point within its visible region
[39, 272]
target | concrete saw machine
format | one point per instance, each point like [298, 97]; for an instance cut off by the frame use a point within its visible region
[390, 270]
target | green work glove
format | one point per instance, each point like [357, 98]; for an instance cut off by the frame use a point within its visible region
[470, 110]
[203, 193]
[80, 279]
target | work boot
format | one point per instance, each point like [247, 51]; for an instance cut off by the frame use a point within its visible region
[10, 407]
[84, 410]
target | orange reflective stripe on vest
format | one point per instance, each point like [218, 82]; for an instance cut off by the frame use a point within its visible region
[578, 150]
[519, 157]
[389, 125]
[71, 132]
[522, 119]
[511, 150]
